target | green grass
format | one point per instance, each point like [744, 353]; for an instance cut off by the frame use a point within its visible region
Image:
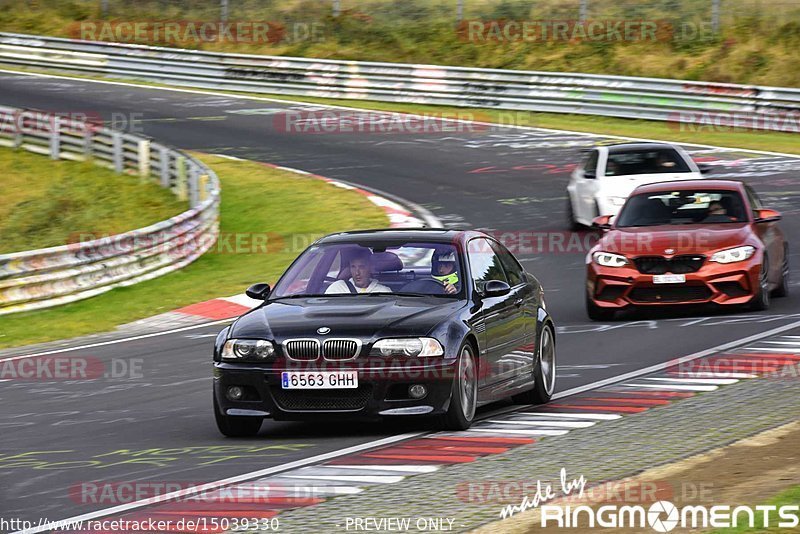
[290, 209]
[48, 203]
[757, 43]
[787, 497]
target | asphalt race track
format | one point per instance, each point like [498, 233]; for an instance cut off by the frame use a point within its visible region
[160, 427]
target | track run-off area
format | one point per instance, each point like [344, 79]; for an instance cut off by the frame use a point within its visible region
[509, 181]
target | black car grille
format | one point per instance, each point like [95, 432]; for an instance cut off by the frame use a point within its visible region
[340, 349]
[670, 294]
[676, 265]
[302, 349]
[323, 399]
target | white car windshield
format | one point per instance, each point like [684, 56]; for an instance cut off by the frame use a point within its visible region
[363, 269]
[653, 161]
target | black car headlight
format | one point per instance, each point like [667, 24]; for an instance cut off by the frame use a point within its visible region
[407, 347]
[247, 350]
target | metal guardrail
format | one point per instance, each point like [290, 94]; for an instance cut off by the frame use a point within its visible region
[36, 279]
[755, 107]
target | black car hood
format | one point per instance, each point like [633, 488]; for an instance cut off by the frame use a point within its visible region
[358, 316]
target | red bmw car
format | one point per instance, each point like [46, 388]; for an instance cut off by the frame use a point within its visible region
[687, 242]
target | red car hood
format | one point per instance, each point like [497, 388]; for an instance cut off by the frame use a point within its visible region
[675, 240]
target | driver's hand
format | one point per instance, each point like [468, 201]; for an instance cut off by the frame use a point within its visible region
[449, 289]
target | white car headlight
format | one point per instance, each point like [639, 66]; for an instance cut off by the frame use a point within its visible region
[733, 255]
[409, 347]
[609, 259]
[247, 349]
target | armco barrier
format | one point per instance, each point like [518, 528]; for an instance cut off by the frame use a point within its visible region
[36, 279]
[619, 96]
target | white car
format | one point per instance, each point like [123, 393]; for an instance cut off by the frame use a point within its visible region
[600, 185]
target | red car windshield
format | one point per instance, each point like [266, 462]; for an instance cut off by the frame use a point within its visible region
[683, 207]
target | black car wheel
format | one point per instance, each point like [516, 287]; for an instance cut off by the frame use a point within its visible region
[544, 374]
[572, 224]
[783, 288]
[761, 300]
[596, 313]
[464, 396]
[236, 426]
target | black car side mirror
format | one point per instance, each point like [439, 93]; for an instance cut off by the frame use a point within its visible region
[589, 174]
[496, 288]
[705, 169]
[258, 291]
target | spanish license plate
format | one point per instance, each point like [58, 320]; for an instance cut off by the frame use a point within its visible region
[321, 380]
[669, 278]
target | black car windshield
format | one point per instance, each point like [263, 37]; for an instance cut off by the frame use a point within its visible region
[369, 269]
[653, 161]
[683, 207]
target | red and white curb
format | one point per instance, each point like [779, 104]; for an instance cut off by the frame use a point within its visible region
[266, 497]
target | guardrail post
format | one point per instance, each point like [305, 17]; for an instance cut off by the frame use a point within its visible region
[88, 137]
[194, 183]
[117, 156]
[583, 10]
[181, 184]
[337, 8]
[163, 157]
[203, 187]
[144, 158]
[460, 11]
[715, 15]
[55, 138]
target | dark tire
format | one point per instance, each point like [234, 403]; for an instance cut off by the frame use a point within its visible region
[596, 313]
[783, 288]
[544, 374]
[572, 224]
[761, 300]
[236, 426]
[464, 396]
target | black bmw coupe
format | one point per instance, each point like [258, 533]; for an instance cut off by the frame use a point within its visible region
[382, 323]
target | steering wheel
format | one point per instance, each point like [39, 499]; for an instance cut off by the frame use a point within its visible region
[428, 285]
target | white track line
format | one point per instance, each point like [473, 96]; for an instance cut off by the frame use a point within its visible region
[572, 415]
[116, 341]
[717, 374]
[673, 387]
[699, 381]
[561, 424]
[500, 431]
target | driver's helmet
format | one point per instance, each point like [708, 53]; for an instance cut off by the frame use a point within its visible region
[444, 257]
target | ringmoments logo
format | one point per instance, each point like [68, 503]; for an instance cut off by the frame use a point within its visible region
[663, 516]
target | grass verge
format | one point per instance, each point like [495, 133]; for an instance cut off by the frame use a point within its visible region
[601, 125]
[790, 496]
[267, 217]
[46, 203]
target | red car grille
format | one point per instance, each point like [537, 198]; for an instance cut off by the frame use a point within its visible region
[670, 294]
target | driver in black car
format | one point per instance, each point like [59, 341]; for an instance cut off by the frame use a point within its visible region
[443, 270]
[361, 280]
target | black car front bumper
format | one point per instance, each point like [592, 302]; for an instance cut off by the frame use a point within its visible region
[383, 390]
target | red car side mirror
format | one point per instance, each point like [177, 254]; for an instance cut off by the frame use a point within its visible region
[603, 222]
[766, 215]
